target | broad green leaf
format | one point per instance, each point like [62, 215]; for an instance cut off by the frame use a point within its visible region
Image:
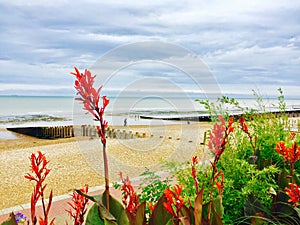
[185, 220]
[170, 222]
[283, 181]
[218, 206]
[188, 213]
[296, 179]
[98, 215]
[297, 211]
[160, 216]
[198, 207]
[93, 217]
[140, 215]
[95, 198]
[215, 217]
[116, 210]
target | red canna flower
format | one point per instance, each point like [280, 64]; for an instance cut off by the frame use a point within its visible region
[294, 193]
[195, 160]
[194, 172]
[130, 198]
[243, 125]
[219, 135]
[78, 206]
[90, 97]
[291, 154]
[220, 183]
[174, 201]
[40, 172]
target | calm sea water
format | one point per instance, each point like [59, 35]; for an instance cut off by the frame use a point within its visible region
[37, 111]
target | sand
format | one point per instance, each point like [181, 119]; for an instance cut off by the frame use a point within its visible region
[77, 161]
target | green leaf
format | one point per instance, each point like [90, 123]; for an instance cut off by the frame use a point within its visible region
[116, 209]
[95, 198]
[93, 217]
[284, 211]
[218, 206]
[215, 217]
[296, 179]
[198, 207]
[283, 181]
[170, 222]
[187, 213]
[185, 220]
[297, 211]
[140, 215]
[11, 220]
[160, 215]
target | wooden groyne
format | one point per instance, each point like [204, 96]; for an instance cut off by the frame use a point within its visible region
[45, 132]
[206, 118]
[71, 131]
[91, 131]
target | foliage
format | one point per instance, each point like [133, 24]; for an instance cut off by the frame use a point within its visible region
[151, 188]
[252, 167]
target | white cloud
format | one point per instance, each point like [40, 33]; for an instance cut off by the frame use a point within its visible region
[241, 41]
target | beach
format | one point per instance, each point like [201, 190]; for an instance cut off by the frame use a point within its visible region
[77, 161]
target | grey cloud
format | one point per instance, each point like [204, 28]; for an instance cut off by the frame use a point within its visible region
[240, 41]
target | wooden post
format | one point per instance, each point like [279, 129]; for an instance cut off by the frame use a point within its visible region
[204, 138]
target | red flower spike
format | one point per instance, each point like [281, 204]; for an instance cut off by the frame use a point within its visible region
[219, 135]
[90, 99]
[243, 125]
[294, 193]
[40, 172]
[220, 183]
[195, 160]
[78, 206]
[174, 200]
[194, 172]
[130, 198]
[291, 154]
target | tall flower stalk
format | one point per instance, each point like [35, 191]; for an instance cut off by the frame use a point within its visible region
[217, 144]
[39, 173]
[90, 98]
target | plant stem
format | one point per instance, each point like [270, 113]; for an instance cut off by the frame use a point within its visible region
[106, 175]
[291, 172]
[44, 208]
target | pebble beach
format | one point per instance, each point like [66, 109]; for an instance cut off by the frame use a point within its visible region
[77, 161]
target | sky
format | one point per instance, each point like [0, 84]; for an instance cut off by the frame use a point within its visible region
[245, 45]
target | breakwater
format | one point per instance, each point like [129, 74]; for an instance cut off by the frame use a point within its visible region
[206, 117]
[45, 132]
[90, 131]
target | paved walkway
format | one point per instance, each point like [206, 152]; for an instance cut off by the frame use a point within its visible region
[59, 205]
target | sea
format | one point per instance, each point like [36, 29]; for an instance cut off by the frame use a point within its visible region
[28, 111]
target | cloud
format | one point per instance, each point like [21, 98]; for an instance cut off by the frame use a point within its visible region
[243, 42]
